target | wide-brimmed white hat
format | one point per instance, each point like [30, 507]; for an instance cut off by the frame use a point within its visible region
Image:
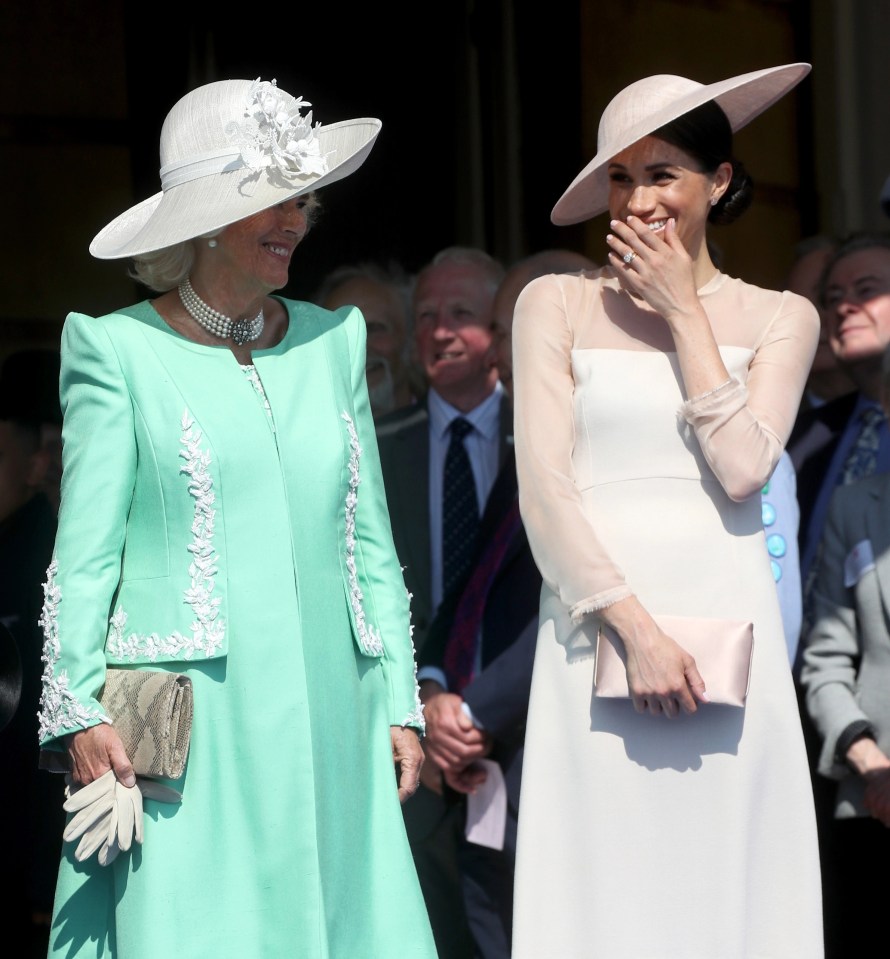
[230, 149]
[649, 104]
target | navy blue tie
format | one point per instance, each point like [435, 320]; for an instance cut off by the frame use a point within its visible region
[460, 508]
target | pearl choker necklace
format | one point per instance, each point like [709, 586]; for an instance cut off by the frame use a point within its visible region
[241, 331]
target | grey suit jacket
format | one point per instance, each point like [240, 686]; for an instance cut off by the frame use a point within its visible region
[846, 668]
[403, 439]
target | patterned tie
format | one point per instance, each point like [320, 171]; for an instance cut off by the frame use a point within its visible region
[863, 457]
[460, 508]
[460, 650]
[860, 462]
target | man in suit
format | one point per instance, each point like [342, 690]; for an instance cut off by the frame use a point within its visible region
[476, 666]
[825, 441]
[827, 378]
[855, 293]
[455, 344]
[382, 294]
[846, 676]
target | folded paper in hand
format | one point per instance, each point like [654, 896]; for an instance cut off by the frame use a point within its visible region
[721, 649]
[152, 713]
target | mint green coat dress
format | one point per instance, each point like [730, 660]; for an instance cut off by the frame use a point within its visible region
[234, 527]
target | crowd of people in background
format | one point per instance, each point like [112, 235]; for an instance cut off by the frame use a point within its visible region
[440, 381]
[476, 723]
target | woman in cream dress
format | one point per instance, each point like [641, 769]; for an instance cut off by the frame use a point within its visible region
[653, 400]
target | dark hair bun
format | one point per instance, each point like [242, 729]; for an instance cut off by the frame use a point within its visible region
[736, 199]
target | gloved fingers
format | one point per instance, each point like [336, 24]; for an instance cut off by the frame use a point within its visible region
[109, 849]
[126, 802]
[93, 838]
[113, 823]
[137, 814]
[87, 817]
[85, 795]
[108, 816]
[125, 817]
[108, 853]
[152, 789]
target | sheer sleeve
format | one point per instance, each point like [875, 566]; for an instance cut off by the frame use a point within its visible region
[741, 426]
[742, 429]
[564, 544]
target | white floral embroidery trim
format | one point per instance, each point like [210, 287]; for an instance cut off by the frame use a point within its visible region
[368, 635]
[415, 717]
[207, 632]
[253, 377]
[59, 708]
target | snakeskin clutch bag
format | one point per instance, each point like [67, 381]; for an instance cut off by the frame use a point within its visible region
[152, 713]
[721, 648]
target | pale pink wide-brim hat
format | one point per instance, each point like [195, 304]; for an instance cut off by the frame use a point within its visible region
[228, 150]
[651, 103]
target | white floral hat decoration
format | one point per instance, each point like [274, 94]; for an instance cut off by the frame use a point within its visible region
[651, 103]
[230, 149]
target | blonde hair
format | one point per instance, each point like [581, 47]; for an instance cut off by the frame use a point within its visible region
[163, 270]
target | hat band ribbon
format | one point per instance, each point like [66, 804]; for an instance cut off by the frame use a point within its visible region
[218, 161]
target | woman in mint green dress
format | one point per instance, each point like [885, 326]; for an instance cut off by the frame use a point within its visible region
[223, 516]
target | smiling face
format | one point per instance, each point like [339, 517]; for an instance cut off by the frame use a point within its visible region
[857, 299]
[654, 181]
[384, 313]
[252, 256]
[453, 315]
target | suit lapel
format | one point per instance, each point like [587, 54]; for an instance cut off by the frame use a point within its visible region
[411, 503]
[877, 526]
[505, 451]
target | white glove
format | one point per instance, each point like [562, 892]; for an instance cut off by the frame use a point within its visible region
[108, 815]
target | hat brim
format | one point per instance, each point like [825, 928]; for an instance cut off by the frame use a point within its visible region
[741, 98]
[10, 676]
[212, 202]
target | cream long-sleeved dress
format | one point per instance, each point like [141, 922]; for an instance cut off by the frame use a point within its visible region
[640, 837]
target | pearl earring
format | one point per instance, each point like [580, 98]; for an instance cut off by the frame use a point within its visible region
[714, 200]
[212, 244]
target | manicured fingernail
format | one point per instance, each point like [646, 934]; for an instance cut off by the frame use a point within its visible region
[613, 223]
[609, 237]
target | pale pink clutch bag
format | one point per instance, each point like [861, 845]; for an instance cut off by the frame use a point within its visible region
[721, 648]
